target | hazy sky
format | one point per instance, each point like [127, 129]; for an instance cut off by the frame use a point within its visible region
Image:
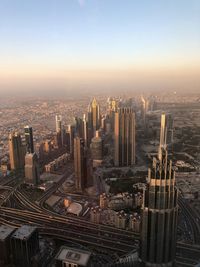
[79, 44]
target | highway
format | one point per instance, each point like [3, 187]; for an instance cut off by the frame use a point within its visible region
[98, 237]
[192, 219]
[67, 229]
[76, 229]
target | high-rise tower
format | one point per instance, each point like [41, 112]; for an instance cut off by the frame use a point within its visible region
[85, 131]
[29, 139]
[159, 214]
[145, 107]
[16, 151]
[58, 123]
[80, 163]
[124, 137]
[32, 174]
[59, 130]
[112, 106]
[70, 132]
[166, 131]
[93, 116]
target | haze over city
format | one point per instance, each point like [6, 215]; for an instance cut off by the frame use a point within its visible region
[74, 45]
[99, 133]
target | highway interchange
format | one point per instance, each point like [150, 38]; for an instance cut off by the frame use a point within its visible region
[16, 209]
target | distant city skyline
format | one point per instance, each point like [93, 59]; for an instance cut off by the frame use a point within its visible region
[86, 44]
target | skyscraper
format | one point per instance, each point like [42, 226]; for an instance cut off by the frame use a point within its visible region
[80, 165]
[145, 107]
[78, 127]
[32, 174]
[85, 131]
[93, 116]
[166, 131]
[159, 214]
[70, 132]
[124, 137]
[58, 123]
[96, 150]
[81, 129]
[59, 130]
[24, 245]
[29, 139]
[16, 151]
[112, 106]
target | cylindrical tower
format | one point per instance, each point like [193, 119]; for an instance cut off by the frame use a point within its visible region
[159, 215]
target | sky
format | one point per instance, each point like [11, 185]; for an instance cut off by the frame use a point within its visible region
[99, 44]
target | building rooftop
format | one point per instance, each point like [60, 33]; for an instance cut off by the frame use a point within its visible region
[5, 231]
[75, 208]
[73, 255]
[24, 232]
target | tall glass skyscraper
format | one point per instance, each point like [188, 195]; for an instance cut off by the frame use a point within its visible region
[159, 214]
[124, 137]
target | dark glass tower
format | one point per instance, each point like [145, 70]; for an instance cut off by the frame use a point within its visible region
[29, 139]
[124, 137]
[80, 164]
[159, 214]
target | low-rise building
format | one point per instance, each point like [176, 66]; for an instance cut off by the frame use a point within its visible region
[72, 257]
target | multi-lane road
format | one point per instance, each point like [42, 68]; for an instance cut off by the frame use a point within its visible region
[96, 236]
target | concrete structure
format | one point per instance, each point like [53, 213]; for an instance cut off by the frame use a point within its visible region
[25, 245]
[32, 172]
[159, 214]
[72, 257]
[16, 151]
[124, 135]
